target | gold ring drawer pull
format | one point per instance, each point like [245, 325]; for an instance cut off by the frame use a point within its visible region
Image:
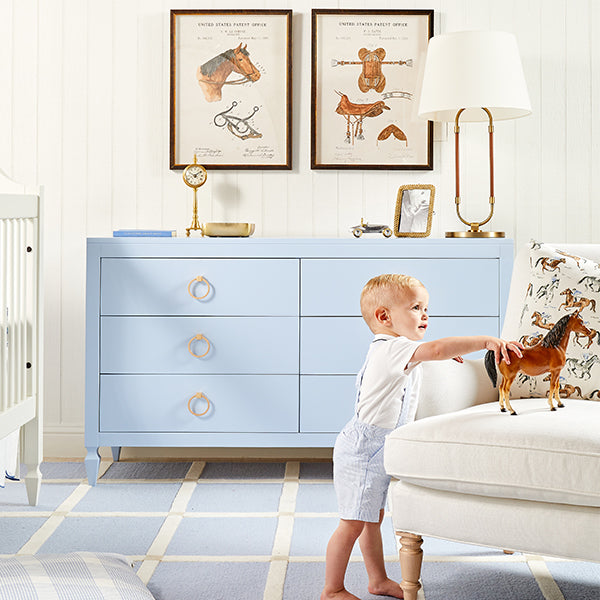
[199, 279]
[198, 337]
[200, 395]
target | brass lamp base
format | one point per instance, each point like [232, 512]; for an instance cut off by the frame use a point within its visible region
[474, 231]
[474, 234]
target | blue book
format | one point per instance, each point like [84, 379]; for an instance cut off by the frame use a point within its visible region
[144, 233]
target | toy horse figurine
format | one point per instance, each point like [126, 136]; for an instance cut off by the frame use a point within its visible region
[548, 355]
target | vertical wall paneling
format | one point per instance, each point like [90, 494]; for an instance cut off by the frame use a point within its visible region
[502, 17]
[176, 210]
[224, 194]
[50, 175]
[25, 90]
[76, 183]
[324, 201]
[553, 108]
[86, 115]
[99, 117]
[125, 115]
[451, 17]
[151, 135]
[578, 107]
[529, 204]
[477, 15]
[377, 195]
[351, 202]
[595, 120]
[272, 220]
[6, 83]
[245, 206]
[304, 183]
[389, 191]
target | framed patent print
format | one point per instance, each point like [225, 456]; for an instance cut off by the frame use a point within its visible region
[364, 90]
[231, 89]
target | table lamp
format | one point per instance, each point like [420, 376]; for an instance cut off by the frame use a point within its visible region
[473, 76]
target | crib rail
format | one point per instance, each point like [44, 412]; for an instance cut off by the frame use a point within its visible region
[19, 223]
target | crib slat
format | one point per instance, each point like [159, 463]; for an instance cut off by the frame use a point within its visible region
[12, 380]
[16, 312]
[21, 315]
[4, 279]
[16, 285]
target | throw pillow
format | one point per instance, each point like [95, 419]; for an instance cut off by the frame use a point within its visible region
[98, 575]
[561, 283]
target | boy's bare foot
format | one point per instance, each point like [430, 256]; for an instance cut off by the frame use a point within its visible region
[342, 594]
[387, 588]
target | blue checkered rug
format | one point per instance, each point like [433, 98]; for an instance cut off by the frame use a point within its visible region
[248, 531]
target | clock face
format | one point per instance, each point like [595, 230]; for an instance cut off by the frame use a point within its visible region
[194, 175]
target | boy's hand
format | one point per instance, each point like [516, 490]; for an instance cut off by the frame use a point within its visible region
[501, 348]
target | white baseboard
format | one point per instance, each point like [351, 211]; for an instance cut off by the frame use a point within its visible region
[65, 444]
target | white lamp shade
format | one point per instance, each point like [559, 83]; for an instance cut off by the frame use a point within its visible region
[471, 70]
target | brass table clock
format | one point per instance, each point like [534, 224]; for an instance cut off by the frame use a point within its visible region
[194, 176]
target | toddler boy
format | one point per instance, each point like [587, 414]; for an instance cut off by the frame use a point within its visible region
[395, 309]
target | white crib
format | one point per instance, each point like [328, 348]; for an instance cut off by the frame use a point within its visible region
[20, 332]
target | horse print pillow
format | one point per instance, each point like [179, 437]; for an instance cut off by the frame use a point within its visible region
[561, 284]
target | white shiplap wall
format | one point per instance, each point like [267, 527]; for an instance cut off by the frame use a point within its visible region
[84, 111]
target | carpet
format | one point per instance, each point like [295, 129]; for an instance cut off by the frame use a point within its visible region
[249, 531]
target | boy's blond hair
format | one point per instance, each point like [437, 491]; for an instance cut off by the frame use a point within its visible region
[378, 292]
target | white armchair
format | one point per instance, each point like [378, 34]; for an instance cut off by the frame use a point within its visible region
[466, 472]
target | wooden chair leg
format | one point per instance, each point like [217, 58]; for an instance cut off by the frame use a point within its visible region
[411, 558]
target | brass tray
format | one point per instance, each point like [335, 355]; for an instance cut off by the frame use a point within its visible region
[227, 229]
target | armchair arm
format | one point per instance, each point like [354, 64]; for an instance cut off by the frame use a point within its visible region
[448, 386]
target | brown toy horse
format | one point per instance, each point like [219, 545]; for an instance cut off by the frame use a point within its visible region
[548, 355]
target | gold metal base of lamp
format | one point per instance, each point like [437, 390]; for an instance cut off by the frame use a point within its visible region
[474, 234]
[474, 231]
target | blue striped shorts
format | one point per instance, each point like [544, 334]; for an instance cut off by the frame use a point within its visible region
[359, 477]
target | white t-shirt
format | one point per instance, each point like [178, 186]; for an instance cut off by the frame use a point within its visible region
[389, 389]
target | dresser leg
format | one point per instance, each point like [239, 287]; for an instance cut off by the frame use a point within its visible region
[116, 453]
[92, 464]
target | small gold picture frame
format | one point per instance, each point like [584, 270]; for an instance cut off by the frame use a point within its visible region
[414, 210]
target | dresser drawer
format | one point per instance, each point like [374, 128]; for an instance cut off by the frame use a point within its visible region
[339, 345]
[326, 402]
[333, 286]
[159, 403]
[166, 286]
[229, 345]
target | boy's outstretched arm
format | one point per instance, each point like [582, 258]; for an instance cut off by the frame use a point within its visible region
[452, 347]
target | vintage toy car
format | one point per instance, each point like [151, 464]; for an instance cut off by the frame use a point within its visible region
[358, 230]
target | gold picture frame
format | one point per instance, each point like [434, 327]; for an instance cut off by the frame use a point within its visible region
[414, 210]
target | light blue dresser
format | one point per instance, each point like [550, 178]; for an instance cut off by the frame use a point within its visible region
[255, 342]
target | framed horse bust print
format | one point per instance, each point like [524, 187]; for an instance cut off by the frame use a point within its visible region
[365, 74]
[231, 88]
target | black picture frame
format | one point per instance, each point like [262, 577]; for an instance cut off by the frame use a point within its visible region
[363, 106]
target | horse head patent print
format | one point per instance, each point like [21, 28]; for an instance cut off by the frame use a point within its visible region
[213, 74]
